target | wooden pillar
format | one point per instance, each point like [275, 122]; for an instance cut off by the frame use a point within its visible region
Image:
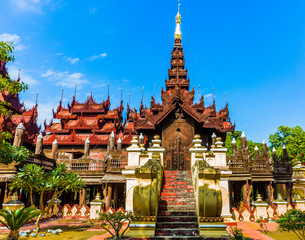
[247, 189]
[270, 191]
[115, 195]
[289, 192]
[71, 198]
[107, 191]
[245, 193]
[91, 194]
[2, 195]
[82, 197]
[237, 192]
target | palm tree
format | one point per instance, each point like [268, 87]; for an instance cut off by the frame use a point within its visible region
[16, 219]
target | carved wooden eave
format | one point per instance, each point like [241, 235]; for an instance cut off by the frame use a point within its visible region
[76, 125]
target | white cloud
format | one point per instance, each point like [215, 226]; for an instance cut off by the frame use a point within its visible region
[100, 56]
[44, 109]
[92, 11]
[66, 79]
[48, 73]
[24, 76]
[7, 37]
[99, 85]
[71, 60]
[33, 6]
[208, 95]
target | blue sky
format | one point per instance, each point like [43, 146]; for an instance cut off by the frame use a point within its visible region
[253, 50]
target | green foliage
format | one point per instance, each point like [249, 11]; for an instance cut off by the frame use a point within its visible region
[236, 234]
[14, 220]
[12, 87]
[293, 220]
[115, 221]
[293, 138]
[6, 50]
[28, 179]
[262, 224]
[33, 178]
[237, 136]
[8, 153]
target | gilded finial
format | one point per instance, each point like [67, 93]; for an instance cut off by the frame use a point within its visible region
[178, 21]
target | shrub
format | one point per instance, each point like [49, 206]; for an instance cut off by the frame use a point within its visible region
[293, 220]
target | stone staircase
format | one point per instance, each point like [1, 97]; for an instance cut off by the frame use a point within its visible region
[177, 217]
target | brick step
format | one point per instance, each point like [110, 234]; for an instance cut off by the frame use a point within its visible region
[178, 214]
[178, 232]
[172, 225]
[176, 203]
[179, 190]
[167, 186]
[175, 194]
[177, 171]
[176, 219]
[180, 198]
[185, 177]
[178, 177]
[176, 238]
[175, 208]
[175, 182]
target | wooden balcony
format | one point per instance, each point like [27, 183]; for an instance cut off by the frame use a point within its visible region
[84, 166]
[41, 160]
[87, 166]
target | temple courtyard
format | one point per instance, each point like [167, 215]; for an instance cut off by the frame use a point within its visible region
[81, 230]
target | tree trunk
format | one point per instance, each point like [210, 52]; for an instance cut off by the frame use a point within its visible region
[41, 201]
[31, 196]
[13, 235]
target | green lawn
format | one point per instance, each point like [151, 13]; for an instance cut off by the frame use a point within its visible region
[281, 235]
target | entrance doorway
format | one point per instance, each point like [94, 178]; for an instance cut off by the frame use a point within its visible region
[177, 137]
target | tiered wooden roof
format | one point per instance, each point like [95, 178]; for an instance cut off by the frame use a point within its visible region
[177, 94]
[19, 114]
[80, 121]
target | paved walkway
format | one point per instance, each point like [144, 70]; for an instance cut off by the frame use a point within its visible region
[252, 230]
[106, 235]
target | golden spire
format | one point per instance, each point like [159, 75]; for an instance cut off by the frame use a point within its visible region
[178, 21]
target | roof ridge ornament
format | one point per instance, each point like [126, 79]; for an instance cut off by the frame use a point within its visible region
[178, 21]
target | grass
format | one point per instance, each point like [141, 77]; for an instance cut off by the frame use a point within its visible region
[69, 232]
[281, 235]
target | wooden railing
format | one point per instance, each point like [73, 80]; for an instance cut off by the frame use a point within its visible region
[116, 163]
[238, 164]
[95, 166]
[260, 166]
[83, 166]
[42, 160]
